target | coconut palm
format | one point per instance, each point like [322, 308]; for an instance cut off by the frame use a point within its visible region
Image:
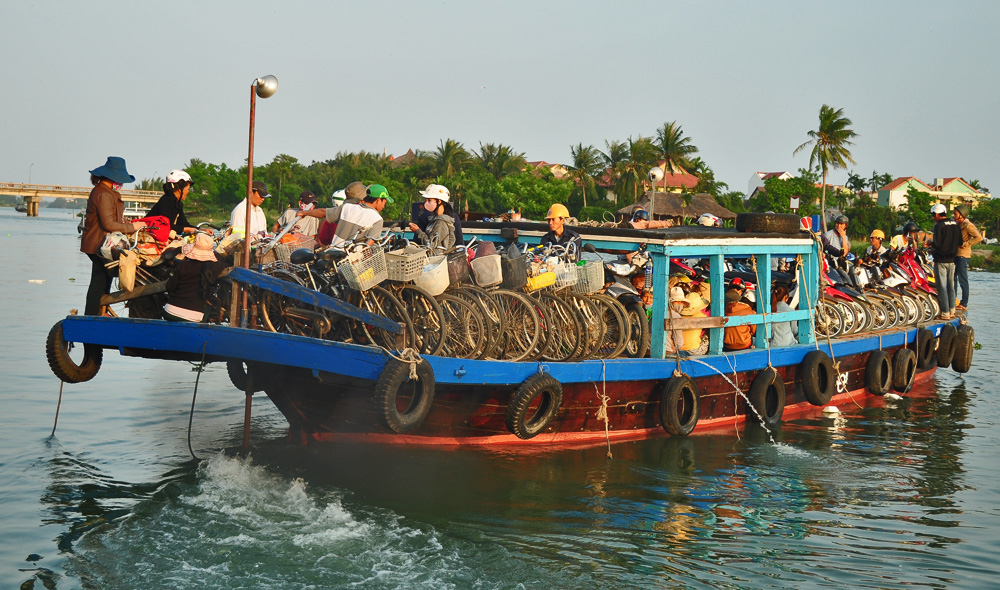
[632, 172]
[500, 160]
[677, 150]
[586, 163]
[829, 146]
[450, 158]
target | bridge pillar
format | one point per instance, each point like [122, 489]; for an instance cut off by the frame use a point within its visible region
[32, 203]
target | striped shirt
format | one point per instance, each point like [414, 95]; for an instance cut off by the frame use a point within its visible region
[354, 219]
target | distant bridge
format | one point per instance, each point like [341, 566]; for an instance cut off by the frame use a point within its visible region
[33, 193]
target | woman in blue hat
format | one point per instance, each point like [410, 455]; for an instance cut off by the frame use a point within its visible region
[105, 214]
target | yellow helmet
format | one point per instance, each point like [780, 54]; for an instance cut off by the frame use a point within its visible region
[877, 234]
[557, 210]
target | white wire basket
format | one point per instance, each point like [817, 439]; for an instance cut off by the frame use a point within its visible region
[364, 268]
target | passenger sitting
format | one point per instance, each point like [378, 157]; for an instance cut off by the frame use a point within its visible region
[738, 337]
[695, 339]
[876, 252]
[782, 333]
[191, 284]
[676, 305]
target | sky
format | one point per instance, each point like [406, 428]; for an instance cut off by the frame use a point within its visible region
[162, 83]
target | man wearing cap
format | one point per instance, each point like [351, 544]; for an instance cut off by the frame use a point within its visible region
[419, 224]
[970, 237]
[355, 220]
[946, 240]
[558, 233]
[258, 223]
[308, 226]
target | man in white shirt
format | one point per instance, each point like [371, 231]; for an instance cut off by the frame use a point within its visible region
[258, 223]
[356, 220]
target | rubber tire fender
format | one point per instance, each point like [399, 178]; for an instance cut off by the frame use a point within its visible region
[767, 395]
[396, 375]
[679, 405]
[924, 344]
[817, 378]
[768, 223]
[965, 342]
[63, 365]
[904, 370]
[237, 371]
[878, 373]
[539, 385]
[946, 342]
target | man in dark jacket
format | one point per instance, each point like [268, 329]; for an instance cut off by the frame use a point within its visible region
[946, 241]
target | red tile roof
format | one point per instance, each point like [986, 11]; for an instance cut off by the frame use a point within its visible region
[901, 181]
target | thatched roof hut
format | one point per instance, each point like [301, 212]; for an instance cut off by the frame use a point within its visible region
[671, 205]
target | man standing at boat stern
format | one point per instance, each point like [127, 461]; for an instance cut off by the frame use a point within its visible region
[946, 241]
[970, 237]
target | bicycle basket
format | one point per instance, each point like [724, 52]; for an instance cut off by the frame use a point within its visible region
[458, 268]
[434, 276]
[590, 277]
[487, 270]
[406, 264]
[566, 275]
[514, 271]
[364, 268]
[542, 280]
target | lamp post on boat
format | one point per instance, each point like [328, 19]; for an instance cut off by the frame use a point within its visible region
[264, 88]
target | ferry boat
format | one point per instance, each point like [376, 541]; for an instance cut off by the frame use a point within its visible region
[337, 391]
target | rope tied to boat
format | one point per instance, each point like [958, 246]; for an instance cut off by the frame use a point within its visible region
[602, 412]
[805, 287]
[408, 355]
[736, 387]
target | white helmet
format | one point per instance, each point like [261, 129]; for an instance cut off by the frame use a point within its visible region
[178, 176]
[339, 196]
[939, 209]
[437, 191]
[707, 219]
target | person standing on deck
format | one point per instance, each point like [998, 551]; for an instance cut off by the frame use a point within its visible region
[258, 223]
[362, 219]
[307, 226]
[423, 220]
[439, 232]
[946, 240]
[105, 214]
[970, 237]
[558, 233]
[171, 204]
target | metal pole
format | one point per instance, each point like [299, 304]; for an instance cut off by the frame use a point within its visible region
[246, 227]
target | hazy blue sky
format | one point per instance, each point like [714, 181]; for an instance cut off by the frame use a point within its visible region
[163, 82]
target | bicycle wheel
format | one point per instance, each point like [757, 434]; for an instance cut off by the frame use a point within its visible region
[381, 302]
[616, 328]
[495, 321]
[430, 330]
[466, 331]
[593, 325]
[522, 325]
[272, 304]
[561, 327]
[638, 334]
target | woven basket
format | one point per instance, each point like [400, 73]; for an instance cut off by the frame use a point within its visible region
[590, 277]
[458, 268]
[487, 270]
[364, 268]
[405, 265]
[515, 273]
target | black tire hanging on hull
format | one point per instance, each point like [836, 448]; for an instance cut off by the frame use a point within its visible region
[924, 342]
[817, 378]
[767, 395]
[64, 367]
[946, 345]
[679, 405]
[525, 419]
[904, 370]
[238, 371]
[391, 383]
[878, 372]
[965, 342]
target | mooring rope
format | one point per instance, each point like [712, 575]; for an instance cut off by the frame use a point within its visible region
[602, 412]
[58, 405]
[201, 367]
[736, 388]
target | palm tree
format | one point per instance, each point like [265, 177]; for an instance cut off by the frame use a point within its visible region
[975, 184]
[615, 153]
[586, 163]
[450, 158]
[500, 160]
[830, 146]
[677, 150]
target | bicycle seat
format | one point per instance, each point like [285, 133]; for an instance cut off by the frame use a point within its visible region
[302, 256]
[333, 254]
[169, 254]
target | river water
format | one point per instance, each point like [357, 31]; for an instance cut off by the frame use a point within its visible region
[891, 495]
